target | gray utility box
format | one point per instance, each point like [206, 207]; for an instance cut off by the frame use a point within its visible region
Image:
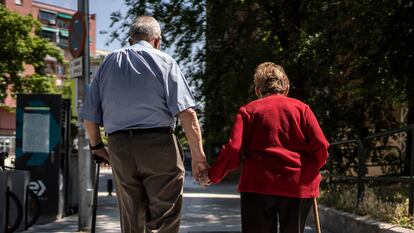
[15, 181]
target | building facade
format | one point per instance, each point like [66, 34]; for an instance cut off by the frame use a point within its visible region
[55, 27]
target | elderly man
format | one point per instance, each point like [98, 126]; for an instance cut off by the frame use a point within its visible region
[136, 95]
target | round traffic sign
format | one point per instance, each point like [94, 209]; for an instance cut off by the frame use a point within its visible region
[77, 34]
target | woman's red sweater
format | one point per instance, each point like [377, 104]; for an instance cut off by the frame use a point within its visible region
[280, 147]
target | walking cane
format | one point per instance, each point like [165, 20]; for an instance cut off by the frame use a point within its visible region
[98, 161]
[316, 216]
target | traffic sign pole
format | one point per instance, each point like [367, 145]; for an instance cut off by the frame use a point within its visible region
[84, 157]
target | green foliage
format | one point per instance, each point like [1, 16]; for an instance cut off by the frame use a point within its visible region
[42, 84]
[183, 24]
[37, 84]
[21, 45]
[336, 53]
[347, 50]
[390, 201]
[351, 61]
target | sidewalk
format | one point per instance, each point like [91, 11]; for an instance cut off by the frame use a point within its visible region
[214, 209]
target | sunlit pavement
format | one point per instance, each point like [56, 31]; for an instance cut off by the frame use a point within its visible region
[213, 209]
[216, 208]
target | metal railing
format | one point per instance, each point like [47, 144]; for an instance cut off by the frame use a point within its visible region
[362, 155]
[31, 208]
[12, 198]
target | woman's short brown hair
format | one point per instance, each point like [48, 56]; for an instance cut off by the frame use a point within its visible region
[271, 79]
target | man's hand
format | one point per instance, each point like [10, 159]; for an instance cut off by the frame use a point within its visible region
[204, 180]
[199, 167]
[92, 129]
[192, 131]
[102, 153]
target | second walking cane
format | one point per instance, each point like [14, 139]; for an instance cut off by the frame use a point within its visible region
[98, 161]
[316, 216]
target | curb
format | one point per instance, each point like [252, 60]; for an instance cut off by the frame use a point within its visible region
[337, 221]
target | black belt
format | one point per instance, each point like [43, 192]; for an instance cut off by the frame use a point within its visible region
[168, 130]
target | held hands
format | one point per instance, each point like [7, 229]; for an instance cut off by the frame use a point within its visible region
[200, 172]
[204, 180]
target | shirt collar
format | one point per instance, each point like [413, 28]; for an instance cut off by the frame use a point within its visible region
[144, 43]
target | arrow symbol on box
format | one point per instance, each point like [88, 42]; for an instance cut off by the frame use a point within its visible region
[38, 187]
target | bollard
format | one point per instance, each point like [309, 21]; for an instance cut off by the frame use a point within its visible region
[109, 187]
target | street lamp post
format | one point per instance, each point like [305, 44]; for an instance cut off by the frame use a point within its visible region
[84, 157]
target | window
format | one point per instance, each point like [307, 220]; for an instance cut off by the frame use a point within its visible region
[50, 33]
[68, 56]
[63, 41]
[50, 67]
[62, 23]
[63, 38]
[60, 69]
[50, 36]
[18, 2]
[47, 16]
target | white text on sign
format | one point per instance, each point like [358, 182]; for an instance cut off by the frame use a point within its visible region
[76, 67]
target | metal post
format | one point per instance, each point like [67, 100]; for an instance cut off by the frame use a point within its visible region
[411, 192]
[95, 198]
[361, 166]
[7, 209]
[84, 157]
[331, 172]
[26, 207]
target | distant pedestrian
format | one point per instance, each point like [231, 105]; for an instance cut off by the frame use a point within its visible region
[136, 95]
[3, 157]
[280, 147]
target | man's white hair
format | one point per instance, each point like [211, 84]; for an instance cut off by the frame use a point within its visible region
[145, 28]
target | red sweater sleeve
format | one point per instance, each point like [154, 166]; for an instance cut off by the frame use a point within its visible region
[317, 142]
[229, 156]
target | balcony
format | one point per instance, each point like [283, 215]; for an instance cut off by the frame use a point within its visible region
[47, 17]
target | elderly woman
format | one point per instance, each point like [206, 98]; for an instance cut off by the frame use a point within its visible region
[280, 147]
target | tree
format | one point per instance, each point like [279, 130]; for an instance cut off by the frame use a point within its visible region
[21, 45]
[336, 53]
[183, 26]
[351, 61]
[45, 84]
